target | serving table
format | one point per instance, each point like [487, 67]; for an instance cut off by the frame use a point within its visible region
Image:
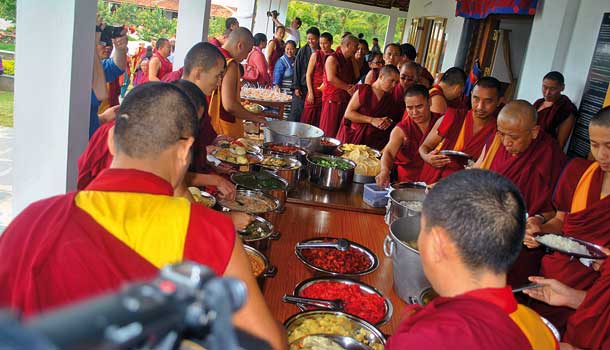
[350, 199]
[274, 105]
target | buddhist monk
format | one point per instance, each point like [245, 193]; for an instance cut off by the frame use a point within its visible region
[409, 75]
[369, 114]
[159, 64]
[582, 202]
[118, 229]
[449, 89]
[401, 152]
[391, 56]
[275, 48]
[315, 81]
[556, 113]
[226, 111]
[472, 227]
[533, 161]
[339, 85]
[409, 54]
[375, 64]
[461, 130]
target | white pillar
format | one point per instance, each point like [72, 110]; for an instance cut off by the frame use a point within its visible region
[389, 34]
[52, 95]
[193, 23]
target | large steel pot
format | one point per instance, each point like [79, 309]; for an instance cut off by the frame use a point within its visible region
[291, 172]
[300, 154]
[396, 209]
[294, 133]
[330, 178]
[409, 278]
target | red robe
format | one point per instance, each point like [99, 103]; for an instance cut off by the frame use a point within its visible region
[173, 76]
[589, 326]
[482, 319]
[311, 111]
[166, 66]
[215, 42]
[408, 161]
[205, 137]
[275, 55]
[550, 118]
[70, 254]
[335, 100]
[363, 133]
[398, 96]
[453, 122]
[590, 224]
[96, 156]
[535, 172]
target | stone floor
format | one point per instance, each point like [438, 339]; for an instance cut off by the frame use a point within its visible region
[6, 176]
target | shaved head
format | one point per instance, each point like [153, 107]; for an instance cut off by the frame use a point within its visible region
[349, 39]
[241, 34]
[389, 69]
[519, 111]
[602, 118]
[202, 55]
[516, 126]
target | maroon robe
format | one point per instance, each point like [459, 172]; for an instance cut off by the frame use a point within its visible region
[398, 96]
[96, 156]
[551, 118]
[173, 76]
[408, 161]
[205, 137]
[591, 224]
[535, 172]
[335, 100]
[364, 133]
[165, 68]
[450, 130]
[311, 111]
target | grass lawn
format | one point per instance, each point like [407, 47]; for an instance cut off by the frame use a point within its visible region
[6, 108]
[7, 47]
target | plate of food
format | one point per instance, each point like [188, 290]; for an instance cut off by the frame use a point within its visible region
[237, 155]
[252, 107]
[264, 95]
[242, 142]
[368, 164]
[252, 202]
[571, 246]
[202, 197]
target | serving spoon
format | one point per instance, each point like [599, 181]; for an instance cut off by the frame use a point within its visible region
[336, 304]
[340, 244]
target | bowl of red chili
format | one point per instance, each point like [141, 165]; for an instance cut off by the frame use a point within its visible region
[358, 260]
[359, 299]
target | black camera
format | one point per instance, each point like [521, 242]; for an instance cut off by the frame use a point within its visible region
[273, 14]
[111, 32]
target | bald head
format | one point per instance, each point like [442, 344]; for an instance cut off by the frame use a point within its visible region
[349, 39]
[240, 34]
[349, 45]
[602, 118]
[519, 112]
[239, 43]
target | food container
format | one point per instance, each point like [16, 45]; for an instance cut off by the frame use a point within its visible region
[294, 133]
[250, 199]
[375, 196]
[396, 207]
[260, 242]
[261, 267]
[329, 145]
[299, 153]
[335, 322]
[202, 197]
[365, 288]
[330, 178]
[373, 262]
[426, 296]
[255, 180]
[363, 179]
[409, 278]
[290, 172]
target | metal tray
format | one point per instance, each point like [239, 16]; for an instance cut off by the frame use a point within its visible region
[372, 258]
[596, 251]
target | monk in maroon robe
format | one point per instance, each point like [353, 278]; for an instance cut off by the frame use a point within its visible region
[556, 113]
[159, 64]
[315, 81]
[472, 226]
[449, 89]
[401, 152]
[582, 201]
[339, 82]
[533, 161]
[461, 130]
[369, 114]
[70, 247]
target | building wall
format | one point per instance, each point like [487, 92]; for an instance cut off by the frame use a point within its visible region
[439, 8]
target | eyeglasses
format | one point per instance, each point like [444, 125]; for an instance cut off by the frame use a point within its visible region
[378, 63]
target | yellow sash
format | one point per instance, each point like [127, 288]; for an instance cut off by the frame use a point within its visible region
[579, 201]
[459, 143]
[235, 129]
[490, 154]
[534, 329]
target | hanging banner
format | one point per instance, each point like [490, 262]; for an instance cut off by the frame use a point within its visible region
[479, 9]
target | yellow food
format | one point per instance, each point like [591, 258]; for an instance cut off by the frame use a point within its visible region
[201, 199]
[366, 160]
[234, 155]
[256, 263]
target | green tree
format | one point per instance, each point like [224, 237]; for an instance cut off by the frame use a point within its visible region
[8, 9]
[150, 23]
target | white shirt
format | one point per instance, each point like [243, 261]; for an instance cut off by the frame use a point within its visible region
[293, 34]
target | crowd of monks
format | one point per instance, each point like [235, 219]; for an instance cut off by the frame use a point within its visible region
[478, 225]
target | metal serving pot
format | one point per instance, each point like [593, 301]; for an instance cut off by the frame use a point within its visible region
[268, 270]
[330, 178]
[397, 210]
[294, 133]
[300, 155]
[281, 194]
[260, 243]
[290, 173]
[409, 278]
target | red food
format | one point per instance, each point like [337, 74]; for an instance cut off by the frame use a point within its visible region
[283, 148]
[326, 143]
[350, 261]
[370, 307]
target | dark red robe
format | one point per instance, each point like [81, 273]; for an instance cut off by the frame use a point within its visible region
[71, 256]
[165, 68]
[335, 100]
[275, 55]
[550, 118]
[96, 156]
[591, 224]
[311, 111]
[535, 172]
[408, 161]
[205, 137]
[589, 326]
[449, 129]
[398, 95]
[364, 133]
[173, 76]
[480, 319]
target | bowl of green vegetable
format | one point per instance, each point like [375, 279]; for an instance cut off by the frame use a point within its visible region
[258, 234]
[330, 172]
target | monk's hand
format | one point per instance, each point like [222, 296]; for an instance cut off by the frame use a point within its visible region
[437, 160]
[240, 220]
[597, 264]
[383, 179]
[381, 123]
[309, 99]
[554, 292]
[109, 114]
[531, 229]
[351, 89]
[226, 188]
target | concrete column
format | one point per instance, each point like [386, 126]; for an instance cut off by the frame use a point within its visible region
[193, 23]
[389, 34]
[52, 113]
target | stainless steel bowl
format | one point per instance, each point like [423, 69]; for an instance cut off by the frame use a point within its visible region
[294, 133]
[329, 145]
[273, 203]
[372, 258]
[280, 194]
[373, 337]
[397, 209]
[330, 178]
[300, 154]
[290, 172]
[268, 270]
[260, 243]
[363, 287]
